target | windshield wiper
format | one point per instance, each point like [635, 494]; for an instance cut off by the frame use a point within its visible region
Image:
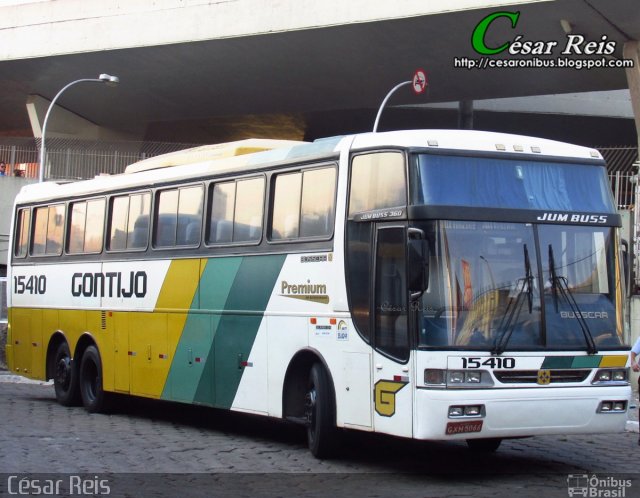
[507, 324]
[561, 284]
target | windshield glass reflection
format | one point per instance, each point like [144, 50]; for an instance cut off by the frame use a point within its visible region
[486, 291]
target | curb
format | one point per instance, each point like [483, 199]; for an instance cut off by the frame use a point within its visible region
[7, 377]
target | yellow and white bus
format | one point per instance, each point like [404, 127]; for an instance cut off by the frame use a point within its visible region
[429, 284]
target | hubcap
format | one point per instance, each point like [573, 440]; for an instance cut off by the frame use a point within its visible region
[310, 406]
[63, 371]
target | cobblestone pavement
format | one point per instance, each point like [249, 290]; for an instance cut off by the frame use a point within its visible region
[147, 448]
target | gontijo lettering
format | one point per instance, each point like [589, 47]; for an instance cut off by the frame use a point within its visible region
[110, 284]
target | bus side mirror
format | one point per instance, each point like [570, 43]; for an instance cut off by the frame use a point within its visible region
[418, 264]
[626, 265]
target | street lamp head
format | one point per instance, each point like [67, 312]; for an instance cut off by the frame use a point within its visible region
[108, 79]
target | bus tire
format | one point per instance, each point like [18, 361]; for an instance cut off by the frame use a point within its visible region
[94, 399]
[65, 377]
[322, 434]
[488, 445]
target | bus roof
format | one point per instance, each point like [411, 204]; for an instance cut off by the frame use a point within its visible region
[255, 154]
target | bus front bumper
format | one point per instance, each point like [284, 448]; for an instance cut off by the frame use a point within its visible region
[504, 413]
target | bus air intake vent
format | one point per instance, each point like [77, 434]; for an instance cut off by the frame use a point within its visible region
[531, 376]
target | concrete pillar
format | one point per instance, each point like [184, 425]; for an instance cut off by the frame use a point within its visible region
[65, 124]
[465, 115]
[632, 51]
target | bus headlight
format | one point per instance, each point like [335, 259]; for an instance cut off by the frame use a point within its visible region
[619, 375]
[460, 379]
[473, 377]
[603, 376]
[611, 375]
[456, 377]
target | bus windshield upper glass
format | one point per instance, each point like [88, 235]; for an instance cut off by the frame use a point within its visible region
[521, 286]
[485, 182]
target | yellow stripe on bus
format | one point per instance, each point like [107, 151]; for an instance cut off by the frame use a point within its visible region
[613, 361]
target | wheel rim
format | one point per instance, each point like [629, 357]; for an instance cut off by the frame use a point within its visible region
[310, 408]
[63, 372]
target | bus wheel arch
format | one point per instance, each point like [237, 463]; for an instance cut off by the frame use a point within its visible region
[309, 397]
[62, 368]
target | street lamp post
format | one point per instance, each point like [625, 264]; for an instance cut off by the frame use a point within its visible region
[103, 78]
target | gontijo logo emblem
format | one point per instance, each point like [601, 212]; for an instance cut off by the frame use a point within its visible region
[385, 396]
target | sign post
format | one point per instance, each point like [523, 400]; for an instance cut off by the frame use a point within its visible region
[418, 84]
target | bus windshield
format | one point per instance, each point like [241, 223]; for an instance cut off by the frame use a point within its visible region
[520, 286]
[487, 182]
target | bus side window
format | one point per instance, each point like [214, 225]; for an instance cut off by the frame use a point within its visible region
[48, 230]
[318, 199]
[22, 230]
[86, 227]
[285, 222]
[235, 212]
[179, 217]
[138, 221]
[377, 182]
[304, 204]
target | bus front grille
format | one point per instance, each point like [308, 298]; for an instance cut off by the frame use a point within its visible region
[532, 376]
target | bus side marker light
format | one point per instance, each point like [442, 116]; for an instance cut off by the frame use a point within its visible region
[313, 321]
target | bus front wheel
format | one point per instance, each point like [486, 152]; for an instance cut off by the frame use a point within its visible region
[65, 377]
[94, 399]
[320, 414]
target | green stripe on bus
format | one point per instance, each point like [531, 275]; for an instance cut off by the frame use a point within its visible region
[236, 332]
[190, 363]
[557, 362]
[233, 295]
[571, 362]
[586, 361]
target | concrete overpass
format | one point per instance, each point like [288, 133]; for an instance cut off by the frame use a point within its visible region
[198, 68]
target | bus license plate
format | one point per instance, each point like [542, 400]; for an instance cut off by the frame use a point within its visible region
[464, 427]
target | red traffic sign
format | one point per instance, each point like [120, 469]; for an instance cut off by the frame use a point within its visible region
[419, 82]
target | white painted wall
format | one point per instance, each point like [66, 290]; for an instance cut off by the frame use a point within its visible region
[53, 27]
[9, 188]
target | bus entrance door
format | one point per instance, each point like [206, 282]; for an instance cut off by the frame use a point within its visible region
[393, 398]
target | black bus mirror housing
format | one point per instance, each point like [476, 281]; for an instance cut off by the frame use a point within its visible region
[418, 266]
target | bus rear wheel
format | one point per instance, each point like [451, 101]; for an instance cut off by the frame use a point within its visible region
[488, 445]
[65, 377]
[322, 435]
[94, 399]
